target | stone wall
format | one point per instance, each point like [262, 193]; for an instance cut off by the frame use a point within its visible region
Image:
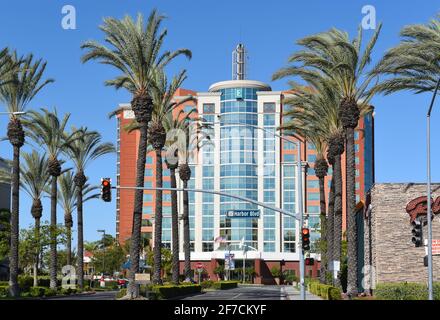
[388, 245]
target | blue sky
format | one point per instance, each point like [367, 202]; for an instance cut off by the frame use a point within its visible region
[211, 29]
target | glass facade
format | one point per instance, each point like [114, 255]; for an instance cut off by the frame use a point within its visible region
[238, 163]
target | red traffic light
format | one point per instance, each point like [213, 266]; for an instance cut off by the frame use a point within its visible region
[305, 231]
[309, 261]
[105, 183]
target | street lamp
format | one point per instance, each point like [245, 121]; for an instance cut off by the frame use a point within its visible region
[429, 213]
[299, 183]
[103, 247]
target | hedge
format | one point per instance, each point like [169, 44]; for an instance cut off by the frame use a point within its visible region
[224, 285]
[405, 291]
[37, 291]
[325, 291]
[171, 291]
[121, 293]
[207, 284]
[4, 291]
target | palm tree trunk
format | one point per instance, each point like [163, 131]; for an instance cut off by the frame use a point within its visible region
[337, 240]
[69, 246]
[157, 254]
[13, 255]
[37, 250]
[323, 209]
[175, 228]
[53, 236]
[330, 225]
[186, 233]
[135, 244]
[80, 245]
[351, 216]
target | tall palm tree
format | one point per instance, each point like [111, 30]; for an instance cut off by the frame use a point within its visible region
[414, 64]
[135, 51]
[68, 200]
[163, 106]
[334, 56]
[316, 114]
[24, 83]
[34, 177]
[175, 126]
[85, 148]
[195, 137]
[306, 119]
[48, 130]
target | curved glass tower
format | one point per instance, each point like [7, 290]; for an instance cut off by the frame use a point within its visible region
[238, 156]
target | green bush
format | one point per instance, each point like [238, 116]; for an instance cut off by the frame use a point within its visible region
[25, 282]
[171, 291]
[68, 291]
[207, 284]
[4, 283]
[276, 272]
[4, 291]
[224, 285]
[48, 292]
[402, 291]
[37, 291]
[121, 293]
[326, 292]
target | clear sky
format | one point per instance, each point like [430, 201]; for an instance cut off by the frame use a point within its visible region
[211, 29]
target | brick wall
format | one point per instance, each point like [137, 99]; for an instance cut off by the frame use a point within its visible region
[388, 245]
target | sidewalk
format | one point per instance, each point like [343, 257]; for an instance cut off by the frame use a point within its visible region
[294, 294]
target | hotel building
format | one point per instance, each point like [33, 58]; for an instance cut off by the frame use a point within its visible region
[245, 158]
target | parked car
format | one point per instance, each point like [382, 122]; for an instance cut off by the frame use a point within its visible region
[122, 283]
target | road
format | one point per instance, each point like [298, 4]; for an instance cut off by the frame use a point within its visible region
[101, 295]
[254, 292]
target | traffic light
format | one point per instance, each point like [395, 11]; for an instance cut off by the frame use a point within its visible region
[309, 261]
[106, 189]
[417, 233]
[305, 236]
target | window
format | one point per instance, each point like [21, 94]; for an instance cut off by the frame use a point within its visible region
[313, 209]
[356, 135]
[269, 183]
[208, 171]
[268, 107]
[148, 197]
[148, 172]
[289, 158]
[357, 186]
[269, 247]
[313, 183]
[311, 158]
[356, 160]
[311, 146]
[149, 160]
[188, 108]
[207, 246]
[356, 147]
[269, 119]
[289, 145]
[148, 184]
[208, 108]
[312, 196]
[147, 210]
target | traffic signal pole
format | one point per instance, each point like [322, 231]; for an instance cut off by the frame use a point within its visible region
[301, 222]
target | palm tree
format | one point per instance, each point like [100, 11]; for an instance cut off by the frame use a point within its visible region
[175, 128]
[135, 52]
[34, 179]
[414, 64]
[334, 56]
[48, 131]
[68, 200]
[163, 106]
[85, 148]
[24, 83]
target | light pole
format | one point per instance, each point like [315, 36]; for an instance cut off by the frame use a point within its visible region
[429, 213]
[300, 214]
[103, 247]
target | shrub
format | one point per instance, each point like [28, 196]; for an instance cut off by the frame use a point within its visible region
[334, 293]
[37, 291]
[4, 291]
[224, 285]
[171, 291]
[275, 271]
[121, 293]
[401, 291]
[25, 282]
[207, 284]
[68, 291]
[48, 292]
[4, 283]
[324, 291]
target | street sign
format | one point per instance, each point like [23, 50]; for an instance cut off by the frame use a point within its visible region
[199, 267]
[436, 246]
[243, 213]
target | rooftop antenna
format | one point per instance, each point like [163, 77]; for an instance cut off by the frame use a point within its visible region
[239, 62]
